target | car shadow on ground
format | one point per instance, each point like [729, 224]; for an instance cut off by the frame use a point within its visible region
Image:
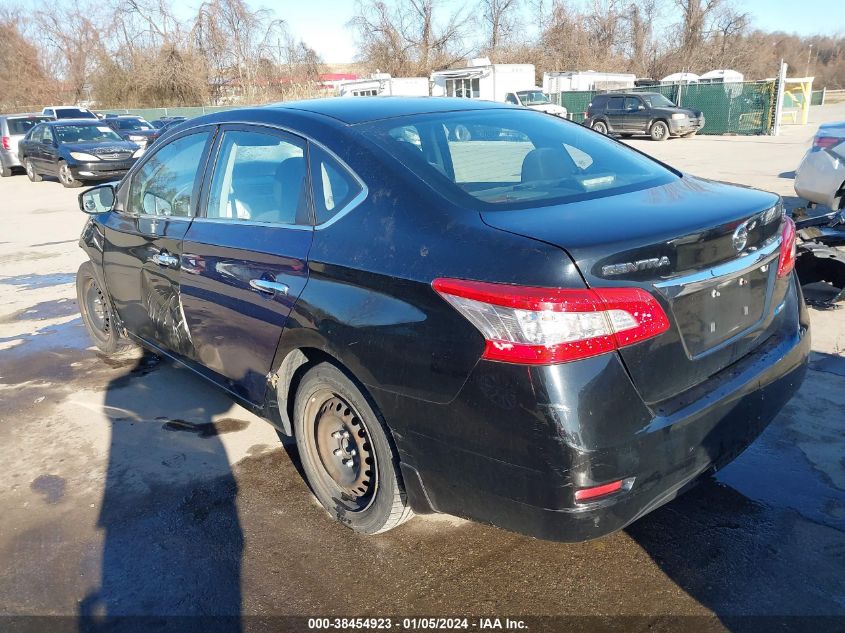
[762, 543]
[172, 538]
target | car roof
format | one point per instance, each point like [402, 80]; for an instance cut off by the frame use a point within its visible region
[352, 110]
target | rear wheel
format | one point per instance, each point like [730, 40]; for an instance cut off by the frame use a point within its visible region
[659, 131]
[96, 312]
[600, 127]
[346, 453]
[66, 177]
[33, 175]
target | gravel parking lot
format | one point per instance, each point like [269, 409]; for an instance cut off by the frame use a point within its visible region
[133, 487]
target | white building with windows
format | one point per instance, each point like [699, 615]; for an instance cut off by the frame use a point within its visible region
[482, 80]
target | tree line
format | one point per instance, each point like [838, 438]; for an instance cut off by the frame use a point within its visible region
[134, 53]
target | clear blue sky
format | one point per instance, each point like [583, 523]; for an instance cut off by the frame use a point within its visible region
[322, 23]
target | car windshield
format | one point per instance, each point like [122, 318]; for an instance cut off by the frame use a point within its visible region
[657, 100]
[24, 125]
[85, 133]
[507, 159]
[74, 113]
[133, 124]
[533, 97]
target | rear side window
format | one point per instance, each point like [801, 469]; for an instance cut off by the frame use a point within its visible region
[260, 177]
[23, 125]
[165, 183]
[508, 159]
[334, 187]
[615, 103]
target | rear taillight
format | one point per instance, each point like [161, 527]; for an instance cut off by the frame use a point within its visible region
[538, 326]
[7, 143]
[786, 261]
[826, 142]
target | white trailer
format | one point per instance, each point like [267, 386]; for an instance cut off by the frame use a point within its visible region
[382, 84]
[573, 81]
[482, 80]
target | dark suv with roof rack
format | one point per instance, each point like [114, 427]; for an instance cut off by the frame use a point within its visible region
[651, 113]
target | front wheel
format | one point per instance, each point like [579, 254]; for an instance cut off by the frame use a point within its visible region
[96, 312]
[33, 175]
[66, 177]
[600, 127]
[659, 131]
[346, 453]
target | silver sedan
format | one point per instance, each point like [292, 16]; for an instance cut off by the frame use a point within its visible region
[820, 178]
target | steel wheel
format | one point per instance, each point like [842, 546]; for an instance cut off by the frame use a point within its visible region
[347, 452]
[341, 442]
[96, 312]
[600, 127]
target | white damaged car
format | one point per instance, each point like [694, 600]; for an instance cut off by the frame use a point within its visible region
[536, 99]
[820, 178]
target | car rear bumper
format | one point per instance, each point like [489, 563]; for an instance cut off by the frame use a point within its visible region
[100, 170]
[517, 442]
[9, 158]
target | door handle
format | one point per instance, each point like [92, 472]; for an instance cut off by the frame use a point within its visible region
[165, 259]
[268, 286]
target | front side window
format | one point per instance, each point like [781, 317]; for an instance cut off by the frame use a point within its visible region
[657, 100]
[23, 125]
[260, 177]
[513, 158]
[334, 186]
[165, 183]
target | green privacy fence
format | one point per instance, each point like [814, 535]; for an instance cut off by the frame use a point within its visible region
[730, 108]
[150, 114]
[817, 97]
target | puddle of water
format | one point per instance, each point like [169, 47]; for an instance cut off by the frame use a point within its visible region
[52, 487]
[31, 282]
[44, 310]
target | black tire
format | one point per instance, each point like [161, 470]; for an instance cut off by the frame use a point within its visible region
[600, 127]
[659, 131]
[5, 172]
[66, 178]
[33, 175]
[97, 314]
[366, 494]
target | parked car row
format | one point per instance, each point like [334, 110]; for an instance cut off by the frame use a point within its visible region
[74, 144]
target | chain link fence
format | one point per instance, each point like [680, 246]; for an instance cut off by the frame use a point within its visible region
[729, 108]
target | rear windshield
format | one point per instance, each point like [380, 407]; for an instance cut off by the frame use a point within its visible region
[85, 133]
[133, 124]
[24, 125]
[508, 159]
[74, 113]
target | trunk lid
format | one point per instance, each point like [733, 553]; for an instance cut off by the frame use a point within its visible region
[706, 250]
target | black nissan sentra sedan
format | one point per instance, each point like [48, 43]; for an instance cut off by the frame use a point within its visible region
[534, 326]
[76, 150]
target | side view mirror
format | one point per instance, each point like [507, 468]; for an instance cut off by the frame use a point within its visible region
[97, 199]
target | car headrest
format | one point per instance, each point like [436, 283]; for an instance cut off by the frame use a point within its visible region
[547, 163]
[290, 191]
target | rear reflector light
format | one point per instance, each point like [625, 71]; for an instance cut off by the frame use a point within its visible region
[588, 494]
[7, 144]
[539, 326]
[826, 142]
[786, 261]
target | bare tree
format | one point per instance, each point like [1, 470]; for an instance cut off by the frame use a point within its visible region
[407, 38]
[500, 22]
[23, 80]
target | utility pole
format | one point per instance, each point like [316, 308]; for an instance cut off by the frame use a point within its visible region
[807, 68]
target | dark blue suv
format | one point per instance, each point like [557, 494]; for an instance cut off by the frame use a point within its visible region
[527, 323]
